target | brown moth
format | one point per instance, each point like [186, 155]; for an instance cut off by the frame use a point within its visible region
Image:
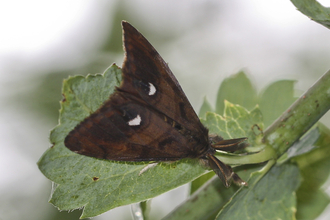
[149, 118]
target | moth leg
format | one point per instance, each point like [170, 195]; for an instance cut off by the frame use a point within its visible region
[144, 169]
[238, 181]
[224, 172]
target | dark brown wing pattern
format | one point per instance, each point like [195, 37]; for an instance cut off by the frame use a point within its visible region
[148, 118]
[111, 133]
[144, 69]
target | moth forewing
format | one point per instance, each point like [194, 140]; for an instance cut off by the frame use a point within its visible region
[148, 117]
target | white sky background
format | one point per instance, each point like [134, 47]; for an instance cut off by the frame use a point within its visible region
[262, 37]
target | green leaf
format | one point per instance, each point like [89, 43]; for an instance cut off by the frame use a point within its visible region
[206, 107]
[311, 203]
[206, 202]
[275, 99]
[272, 197]
[314, 166]
[304, 145]
[197, 183]
[236, 89]
[100, 185]
[232, 88]
[76, 105]
[314, 11]
[241, 122]
[237, 122]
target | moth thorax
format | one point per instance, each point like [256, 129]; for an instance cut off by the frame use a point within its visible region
[202, 148]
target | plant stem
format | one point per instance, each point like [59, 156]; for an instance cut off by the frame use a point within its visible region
[267, 153]
[300, 116]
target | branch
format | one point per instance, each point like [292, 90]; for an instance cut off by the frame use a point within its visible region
[300, 116]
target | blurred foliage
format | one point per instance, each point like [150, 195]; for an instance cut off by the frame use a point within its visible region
[238, 89]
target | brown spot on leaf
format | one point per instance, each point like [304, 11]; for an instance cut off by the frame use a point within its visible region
[64, 98]
[95, 178]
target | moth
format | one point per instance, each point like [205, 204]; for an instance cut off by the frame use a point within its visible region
[148, 117]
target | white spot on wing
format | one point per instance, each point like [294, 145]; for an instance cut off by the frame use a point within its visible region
[152, 89]
[135, 121]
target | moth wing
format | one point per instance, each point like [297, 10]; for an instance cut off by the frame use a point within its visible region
[124, 130]
[148, 118]
[148, 77]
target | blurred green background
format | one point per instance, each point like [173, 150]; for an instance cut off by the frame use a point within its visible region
[204, 41]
